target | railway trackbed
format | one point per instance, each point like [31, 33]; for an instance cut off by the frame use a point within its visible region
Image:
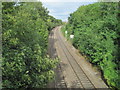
[72, 71]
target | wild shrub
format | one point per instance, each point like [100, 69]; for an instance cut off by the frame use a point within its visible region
[97, 34]
[24, 40]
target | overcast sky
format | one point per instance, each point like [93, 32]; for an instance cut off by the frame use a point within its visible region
[61, 9]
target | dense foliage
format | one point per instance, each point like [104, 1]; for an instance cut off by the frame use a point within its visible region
[97, 35]
[25, 38]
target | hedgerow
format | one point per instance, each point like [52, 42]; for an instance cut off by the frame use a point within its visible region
[24, 41]
[97, 35]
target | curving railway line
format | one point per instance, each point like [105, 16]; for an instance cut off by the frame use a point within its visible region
[72, 71]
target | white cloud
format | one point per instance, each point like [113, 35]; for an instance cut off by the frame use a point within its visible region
[62, 10]
[51, 10]
[61, 13]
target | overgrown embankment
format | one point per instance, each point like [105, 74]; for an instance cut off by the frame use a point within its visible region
[24, 42]
[97, 35]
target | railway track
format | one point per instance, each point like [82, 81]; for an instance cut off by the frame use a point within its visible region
[84, 81]
[69, 72]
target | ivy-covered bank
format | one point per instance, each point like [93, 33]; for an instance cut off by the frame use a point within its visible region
[96, 31]
[24, 41]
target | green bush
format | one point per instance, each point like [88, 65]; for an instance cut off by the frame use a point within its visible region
[96, 31]
[25, 40]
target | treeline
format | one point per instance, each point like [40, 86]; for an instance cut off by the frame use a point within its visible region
[97, 35]
[24, 41]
